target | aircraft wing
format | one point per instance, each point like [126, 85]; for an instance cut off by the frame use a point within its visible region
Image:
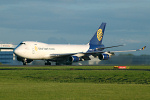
[112, 52]
[131, 50]
[61, 56]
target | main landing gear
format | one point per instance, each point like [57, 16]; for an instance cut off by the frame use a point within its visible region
[25, 61]
[47, 62]
[63, 63]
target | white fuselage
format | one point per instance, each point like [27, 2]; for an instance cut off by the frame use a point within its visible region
[38, 50]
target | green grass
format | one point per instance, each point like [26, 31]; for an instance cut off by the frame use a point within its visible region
[73, 83]
[75, 74]
[73, 91]
[65, 67]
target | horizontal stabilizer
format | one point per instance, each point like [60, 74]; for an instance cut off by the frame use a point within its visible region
[108, 47]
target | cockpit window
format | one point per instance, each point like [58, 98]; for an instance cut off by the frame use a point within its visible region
[22, 43]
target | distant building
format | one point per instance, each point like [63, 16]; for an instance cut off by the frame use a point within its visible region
[6, 53]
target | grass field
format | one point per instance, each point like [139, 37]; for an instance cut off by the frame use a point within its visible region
[74, 83]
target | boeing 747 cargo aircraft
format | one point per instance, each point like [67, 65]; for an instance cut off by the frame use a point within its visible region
[28, 51]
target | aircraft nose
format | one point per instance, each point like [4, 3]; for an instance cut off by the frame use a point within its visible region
[17, 51]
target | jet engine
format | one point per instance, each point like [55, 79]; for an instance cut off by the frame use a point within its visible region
[104, 56]
[74, 59]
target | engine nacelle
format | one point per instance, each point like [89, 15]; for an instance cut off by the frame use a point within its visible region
[74, 59]
[104, 56]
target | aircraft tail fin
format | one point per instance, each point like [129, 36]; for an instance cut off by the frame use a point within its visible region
[98, 36]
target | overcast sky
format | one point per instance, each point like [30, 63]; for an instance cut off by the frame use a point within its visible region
[76, 21]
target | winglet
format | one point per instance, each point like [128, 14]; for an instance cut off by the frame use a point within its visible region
[142, 48]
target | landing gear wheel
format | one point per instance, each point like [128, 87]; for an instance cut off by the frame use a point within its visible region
[57, 63]
[24, 61]
[47, 63]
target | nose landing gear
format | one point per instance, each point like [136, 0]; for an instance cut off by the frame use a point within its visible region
[24, 61]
